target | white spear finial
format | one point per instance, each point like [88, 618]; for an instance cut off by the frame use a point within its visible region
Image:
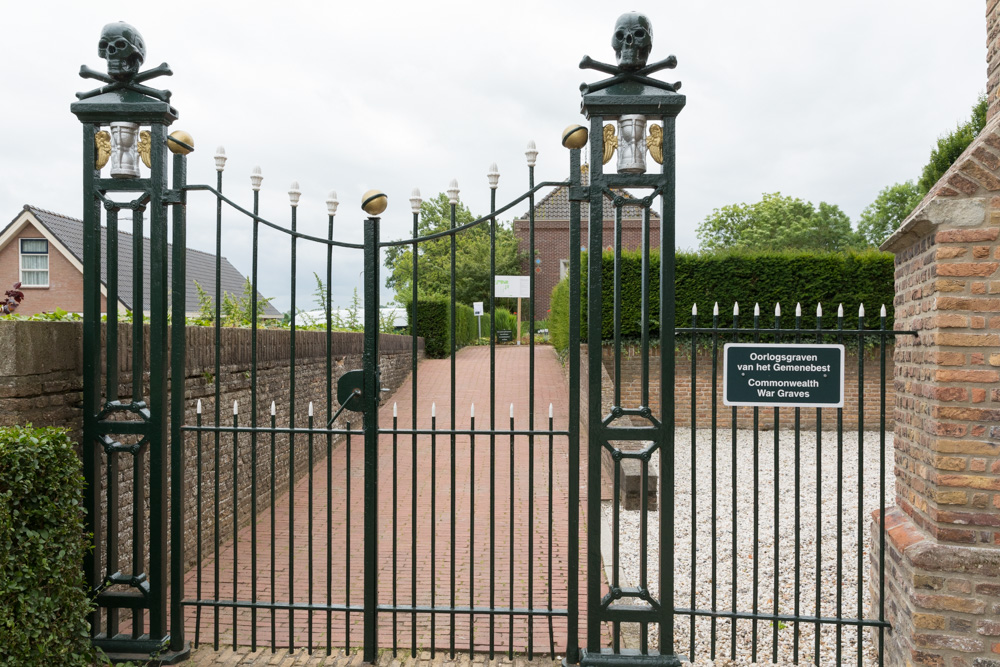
[393, 409]
[798, 310]
[736, 308]
[199, 406]
[694, 309]
[819, 310]
[453, 192]
[840, 310]
[777, 309]
[861, 310]
[511, 410]
[236, 408]
[332, 203]
[294, 194]
[272, 409]
[310, 408]
[256, 176]
[550, 411]
[756, 310]
[433, 410]
[715, 311]
[531, 153]
[882, 311]
[220, 158]
[493, 176]
[472, 410]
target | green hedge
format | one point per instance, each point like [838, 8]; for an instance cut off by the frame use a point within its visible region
[43, 603]
[434, 324]
[766, 278]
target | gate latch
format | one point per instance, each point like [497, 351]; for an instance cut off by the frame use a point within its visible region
[350, 390]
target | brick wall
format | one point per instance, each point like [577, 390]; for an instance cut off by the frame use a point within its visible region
[41, 383]
[631, 371]
[942, 552]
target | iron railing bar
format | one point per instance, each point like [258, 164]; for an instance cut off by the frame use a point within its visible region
[253, 423]
[236, 526]
[493, 415]
[840, 507]
[291, 434]
[784, 618]
[552, 641]
[273, 541]
[777, 505]
[395, 524]
[420, 609]
[415, 286]
[798, 503]
[452, 387]
[531, 406]
[715, 443]
[756, 507]
[329, 436]
[309, 618]
[615, 541]
[472, 531]
[882, 333]
[347, 541]
[734, 524]
[694, 464]
[274, 226]
[433, 521]
[617, 331]
[819, 511]
[111, 326]
[510, 560]
[198, 573]
[881, 505]
[861, 479]
[138, 326]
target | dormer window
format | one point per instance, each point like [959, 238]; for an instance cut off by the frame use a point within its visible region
[34, 263]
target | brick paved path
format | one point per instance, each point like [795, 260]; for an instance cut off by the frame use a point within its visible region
[520, 527]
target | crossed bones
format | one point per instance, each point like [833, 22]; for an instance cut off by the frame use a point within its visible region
[620, 75]
[133, 83]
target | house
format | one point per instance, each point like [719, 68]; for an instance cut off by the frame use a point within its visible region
[44, 251]
[551, 261]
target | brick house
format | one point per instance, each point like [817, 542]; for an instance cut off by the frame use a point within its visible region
[44, 252]
[551, 261]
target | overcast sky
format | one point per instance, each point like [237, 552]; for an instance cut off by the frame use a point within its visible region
[822, 101]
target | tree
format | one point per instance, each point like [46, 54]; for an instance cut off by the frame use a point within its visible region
[472, 256]
[951, 145]
[883, 216]
[777, 222]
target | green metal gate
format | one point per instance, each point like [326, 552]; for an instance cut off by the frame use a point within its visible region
[231, 468]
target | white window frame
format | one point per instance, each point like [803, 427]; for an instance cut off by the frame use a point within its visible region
[563, 268]
[20, 264]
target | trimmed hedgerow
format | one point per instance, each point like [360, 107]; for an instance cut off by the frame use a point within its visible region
[767, 278]
[434, 324]
[43, 600]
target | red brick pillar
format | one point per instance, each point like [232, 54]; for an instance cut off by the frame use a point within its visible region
[942, 559]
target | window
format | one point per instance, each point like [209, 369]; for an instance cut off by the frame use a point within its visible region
[34, 263]
[563, 268]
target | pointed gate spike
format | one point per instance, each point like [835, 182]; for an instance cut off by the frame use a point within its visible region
[433, 410]
[694, 309]
[840, 310]
[472, 410]
[272, 408]
[393, 409]
[861, 310]
[310, 408]
[798, 310]
[736, 308]
[882, 312]
[819, 310]
[550, 411]
[777, 309]
[756, 310]
[511, 410]
[199, 406]
[715, 311]
[236, 408]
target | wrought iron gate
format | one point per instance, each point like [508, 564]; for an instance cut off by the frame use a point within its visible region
[240, 574]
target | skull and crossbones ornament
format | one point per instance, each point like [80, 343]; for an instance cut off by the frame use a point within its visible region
[632, 40]
[124, 49]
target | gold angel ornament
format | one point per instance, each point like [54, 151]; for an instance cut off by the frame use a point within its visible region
[654, 142]
[102, 143]
[610, 142]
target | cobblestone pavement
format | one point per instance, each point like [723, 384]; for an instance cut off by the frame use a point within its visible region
[514, 561]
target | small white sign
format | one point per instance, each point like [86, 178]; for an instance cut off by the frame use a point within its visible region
[477, 308]
[513, 287]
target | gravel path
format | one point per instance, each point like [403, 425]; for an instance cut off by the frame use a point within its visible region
[839, 517]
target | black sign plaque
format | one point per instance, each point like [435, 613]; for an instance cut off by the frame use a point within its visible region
[802, 376]
[504, 335]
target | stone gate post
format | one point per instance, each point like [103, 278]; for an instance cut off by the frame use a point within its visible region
[942, 555]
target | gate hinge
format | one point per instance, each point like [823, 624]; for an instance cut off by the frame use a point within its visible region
[579, 193]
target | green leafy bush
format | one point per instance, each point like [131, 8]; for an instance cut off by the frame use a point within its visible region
[790, 277]
[43, 602]
[434, 324]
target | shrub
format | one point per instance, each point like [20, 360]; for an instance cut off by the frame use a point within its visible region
[790, 277]
[43, 600]
[434, 324]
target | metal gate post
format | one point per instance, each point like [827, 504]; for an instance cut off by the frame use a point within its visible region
[630, 99]
[370, 395]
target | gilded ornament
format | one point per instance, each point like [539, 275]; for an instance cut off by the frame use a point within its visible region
[145, 144]
[610, 142]
[374, 202]
[574, 136]
[102, 142]
[654, 142]
[180, 142]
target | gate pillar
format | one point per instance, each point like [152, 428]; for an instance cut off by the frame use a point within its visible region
[936, 571]
[125, 439]
[631, 101]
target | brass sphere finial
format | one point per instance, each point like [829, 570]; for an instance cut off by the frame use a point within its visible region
[180, 142]
[574, 136]
[374, 202]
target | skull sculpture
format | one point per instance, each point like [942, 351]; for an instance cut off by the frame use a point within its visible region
[122, 46]
[632, 40]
